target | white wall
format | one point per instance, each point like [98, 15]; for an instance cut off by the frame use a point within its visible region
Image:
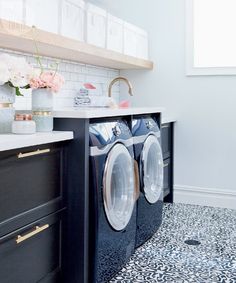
[205, 107]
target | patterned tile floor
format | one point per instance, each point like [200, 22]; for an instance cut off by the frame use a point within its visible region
[166, 258]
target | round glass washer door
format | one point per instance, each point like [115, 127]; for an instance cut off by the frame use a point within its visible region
[119, 187]
[152, 161]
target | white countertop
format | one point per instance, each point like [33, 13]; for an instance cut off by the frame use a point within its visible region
[167, 119]
[12, 141]
[87, 113]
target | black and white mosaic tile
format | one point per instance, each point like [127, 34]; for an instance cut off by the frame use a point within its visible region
[167, 258]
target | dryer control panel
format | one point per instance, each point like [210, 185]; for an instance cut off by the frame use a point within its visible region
[104, 133]
[143, 126]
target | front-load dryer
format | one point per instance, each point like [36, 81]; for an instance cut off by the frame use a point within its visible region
[148, 154]
[112, 199]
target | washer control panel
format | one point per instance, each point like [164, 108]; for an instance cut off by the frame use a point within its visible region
[149, 124]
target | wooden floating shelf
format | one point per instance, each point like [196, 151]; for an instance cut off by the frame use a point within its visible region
[20, 37]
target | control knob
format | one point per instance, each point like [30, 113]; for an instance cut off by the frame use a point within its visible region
[116, 131]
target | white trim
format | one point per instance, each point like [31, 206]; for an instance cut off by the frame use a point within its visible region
[189, 47]
[205, 196]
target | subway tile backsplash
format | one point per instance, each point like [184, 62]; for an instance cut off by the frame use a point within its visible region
[75, 75]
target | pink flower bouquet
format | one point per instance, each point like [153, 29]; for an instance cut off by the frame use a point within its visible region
[49, 80]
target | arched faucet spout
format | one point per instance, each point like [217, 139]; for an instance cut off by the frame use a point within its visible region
[120, 79]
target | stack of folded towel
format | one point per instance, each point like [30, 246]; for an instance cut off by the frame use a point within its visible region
[87, 97]
[82, 99]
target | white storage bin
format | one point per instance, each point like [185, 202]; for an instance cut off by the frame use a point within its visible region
[96, 25]
[43, 14]
[130, 40]
[72, 19]
[12, 10]
[135, 41]
[114, 33]
[142, 43]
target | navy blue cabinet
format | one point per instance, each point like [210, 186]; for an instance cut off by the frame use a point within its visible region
[80, 238]
[31, 214]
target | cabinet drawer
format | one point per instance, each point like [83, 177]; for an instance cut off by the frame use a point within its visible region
[33, 254]
[30, 178]
[166, 140]
[167, 177]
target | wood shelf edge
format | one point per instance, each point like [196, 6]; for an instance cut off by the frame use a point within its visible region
[20, 37]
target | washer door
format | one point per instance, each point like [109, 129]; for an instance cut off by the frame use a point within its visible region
[152, 169]
[119, 187]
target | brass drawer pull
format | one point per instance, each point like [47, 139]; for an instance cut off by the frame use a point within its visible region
[31, 234]
[32, 153]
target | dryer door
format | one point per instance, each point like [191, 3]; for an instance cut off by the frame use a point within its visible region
[152, 164]
[119, 187]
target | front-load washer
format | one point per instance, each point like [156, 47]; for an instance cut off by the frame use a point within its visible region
[112, 199]
[148, 154]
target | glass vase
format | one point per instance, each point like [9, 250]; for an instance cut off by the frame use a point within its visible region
[7, 111]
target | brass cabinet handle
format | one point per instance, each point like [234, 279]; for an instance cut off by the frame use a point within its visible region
[32, 153]
[31, 234]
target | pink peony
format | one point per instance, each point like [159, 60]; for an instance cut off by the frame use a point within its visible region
[50, 80]
[36, 83]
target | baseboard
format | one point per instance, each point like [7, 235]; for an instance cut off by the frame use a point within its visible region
[205, 196]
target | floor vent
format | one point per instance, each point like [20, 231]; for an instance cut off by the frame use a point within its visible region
[192, 242]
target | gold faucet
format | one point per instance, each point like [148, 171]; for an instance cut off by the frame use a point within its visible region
[120, 79]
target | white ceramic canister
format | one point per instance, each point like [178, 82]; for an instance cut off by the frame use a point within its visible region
[42, 100]
[43, 120]
[23, 125]
[7, 111]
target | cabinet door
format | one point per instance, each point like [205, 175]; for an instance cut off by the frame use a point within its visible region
[33, 253]
[166, 140]
[30, 185]
[167, 177]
